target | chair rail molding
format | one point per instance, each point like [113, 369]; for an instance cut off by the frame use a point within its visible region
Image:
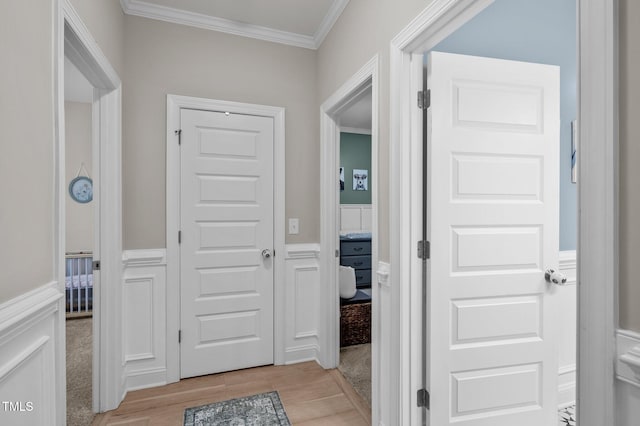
[31, 350]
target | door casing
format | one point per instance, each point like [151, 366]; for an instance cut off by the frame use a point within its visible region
[597, 195]
[174, 104]
[366, 78]
[72, 38]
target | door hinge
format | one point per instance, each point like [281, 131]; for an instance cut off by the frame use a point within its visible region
[179, 336]
[96, 265]
[179, 133]
[179, 237]
[424, 250]
[424, 99]
[423, 398]
[337, 253]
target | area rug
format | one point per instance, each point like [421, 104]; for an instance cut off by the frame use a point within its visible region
[567, 416]
[264, 409]
[79, 371]
[355, 366]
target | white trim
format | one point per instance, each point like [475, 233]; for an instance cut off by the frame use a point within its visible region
[302, 251]
[568, 264]
[213, 23]
[174, 104]
[18, 312]
[628, 357]
[134, 258]
[73, 39]
[367, 77]
[598, 210]
[30, 344]
[328, 21]
[355, 130]
[598, 186]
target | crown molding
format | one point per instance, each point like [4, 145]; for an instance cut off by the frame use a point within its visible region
[176, 16]
[329, 20]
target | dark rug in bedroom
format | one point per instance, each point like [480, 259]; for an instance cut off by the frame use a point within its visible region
[264, 409]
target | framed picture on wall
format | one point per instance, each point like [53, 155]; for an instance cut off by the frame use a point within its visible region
[341, 178]
[360, 180]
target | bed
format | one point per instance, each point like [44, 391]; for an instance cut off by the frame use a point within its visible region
[79, 283]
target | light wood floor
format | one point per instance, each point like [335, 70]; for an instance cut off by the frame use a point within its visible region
[310, 395]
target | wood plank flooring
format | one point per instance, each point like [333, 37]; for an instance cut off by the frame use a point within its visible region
[310, 395]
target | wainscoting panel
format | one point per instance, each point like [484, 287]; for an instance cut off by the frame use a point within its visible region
[355, 218]
[567, 321]
[29, 341]
[144, 318]
[302, 310]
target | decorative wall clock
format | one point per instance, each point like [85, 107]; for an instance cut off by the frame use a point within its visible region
[81, 189]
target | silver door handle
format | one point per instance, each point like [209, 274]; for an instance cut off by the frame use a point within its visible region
[266, 253]
[555, 277]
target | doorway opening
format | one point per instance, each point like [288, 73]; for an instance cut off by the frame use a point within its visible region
[351, 231]
[79, 244]
[100, 173]
[354, 218]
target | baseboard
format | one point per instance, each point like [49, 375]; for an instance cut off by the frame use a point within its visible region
[146, 378]
[31, 344]
[298, 354]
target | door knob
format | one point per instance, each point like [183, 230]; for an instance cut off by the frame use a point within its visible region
[266, 253]
[555, 277]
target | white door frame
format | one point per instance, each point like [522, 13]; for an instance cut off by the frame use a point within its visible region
[598, 200]
[80, 47]
[174, 104]
[366, 78]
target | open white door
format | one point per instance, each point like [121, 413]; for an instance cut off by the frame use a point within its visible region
[492, 220]
[226, 265]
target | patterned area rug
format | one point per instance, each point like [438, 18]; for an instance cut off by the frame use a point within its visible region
[567, 416]
[264, 409]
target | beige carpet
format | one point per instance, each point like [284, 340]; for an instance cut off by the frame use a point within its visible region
[355, 366]
[79, 372]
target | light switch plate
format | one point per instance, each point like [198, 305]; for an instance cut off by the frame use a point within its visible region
[294, 226]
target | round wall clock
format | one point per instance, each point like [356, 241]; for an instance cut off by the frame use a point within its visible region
[81, 189]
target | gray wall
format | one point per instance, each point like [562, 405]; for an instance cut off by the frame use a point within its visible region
[542, 31]
[629, 291]
[26, 149]
[355, 153]
[163, 58]
[365, 29]
[79, 216]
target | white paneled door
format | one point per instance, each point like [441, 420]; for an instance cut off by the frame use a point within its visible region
[226, 265]
[492, 220]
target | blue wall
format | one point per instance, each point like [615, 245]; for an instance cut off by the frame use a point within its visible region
[541, 31]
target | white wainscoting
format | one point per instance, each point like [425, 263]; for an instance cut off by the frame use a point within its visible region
[144, 318]
[385, 350]
[30, 338]
[568, 332]
[355, 218]
[628, 374]
[302, 310]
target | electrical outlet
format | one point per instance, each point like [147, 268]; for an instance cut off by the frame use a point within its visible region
[294, 226]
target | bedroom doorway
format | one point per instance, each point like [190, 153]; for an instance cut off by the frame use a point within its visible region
[349, 232]
[102, 177]
[79, 244]
[355, 235]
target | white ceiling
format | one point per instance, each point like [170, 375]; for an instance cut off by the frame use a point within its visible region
[303, 23]
[76, 87]
[358, 116]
